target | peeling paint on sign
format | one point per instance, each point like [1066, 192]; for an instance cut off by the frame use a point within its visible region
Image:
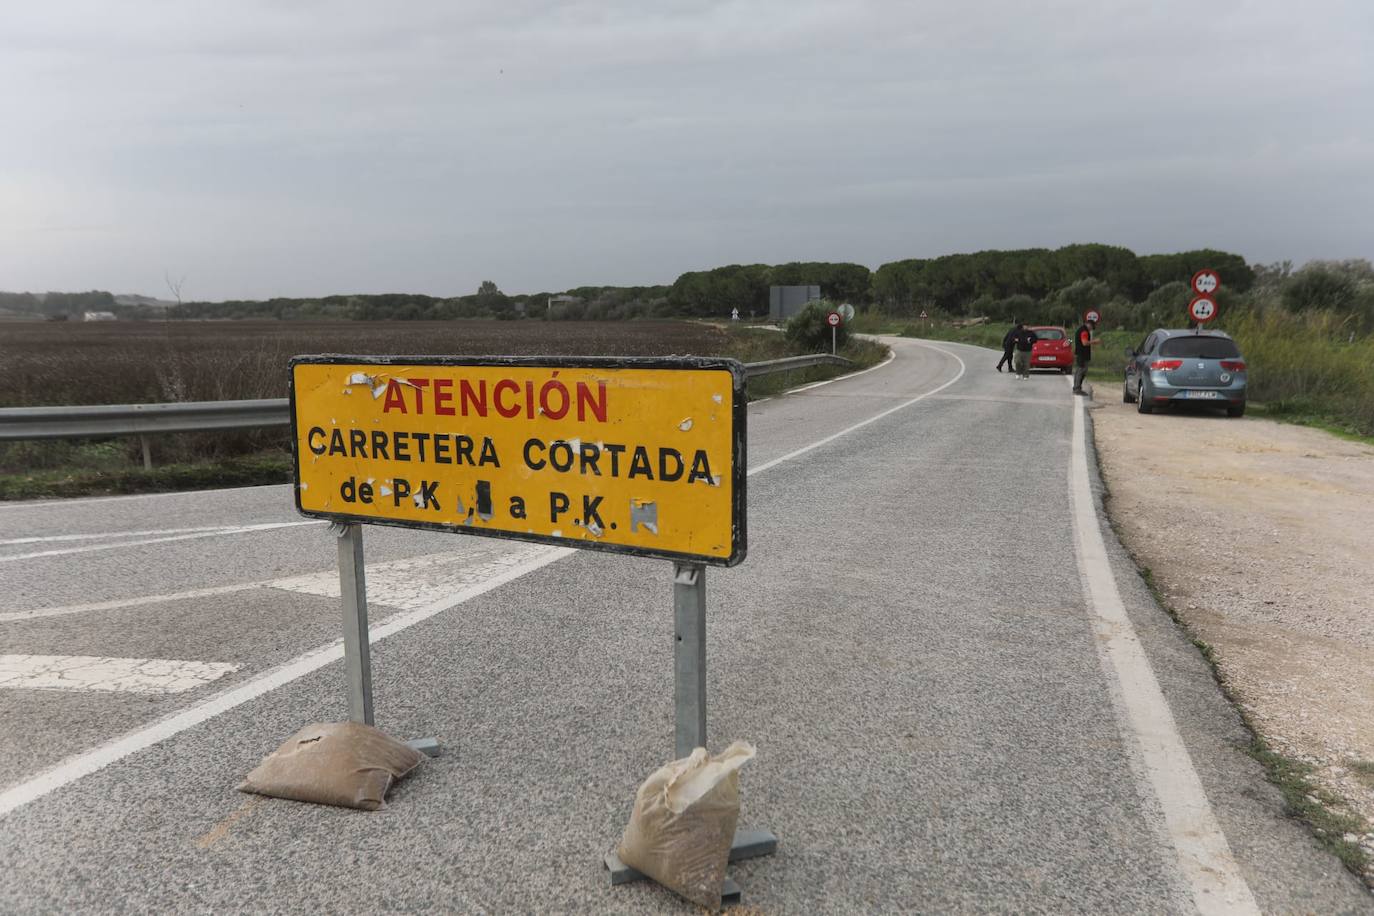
[593, 452]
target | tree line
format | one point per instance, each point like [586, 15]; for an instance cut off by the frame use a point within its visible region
[1038, 283]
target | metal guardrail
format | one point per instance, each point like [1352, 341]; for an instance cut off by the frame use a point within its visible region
[768, 367]
[18, 423]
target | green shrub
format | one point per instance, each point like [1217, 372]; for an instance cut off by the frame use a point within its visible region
[807, 329]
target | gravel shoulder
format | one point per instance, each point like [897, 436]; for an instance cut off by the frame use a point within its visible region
[1259, 535]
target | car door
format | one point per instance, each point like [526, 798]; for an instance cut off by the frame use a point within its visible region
[1140, 360]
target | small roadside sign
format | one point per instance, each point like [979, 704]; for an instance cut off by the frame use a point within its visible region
[1206, 282]
[636, 456]
[846, 311]
[924, 316]
[1093, 315]
[833, 319]
[1202, 309]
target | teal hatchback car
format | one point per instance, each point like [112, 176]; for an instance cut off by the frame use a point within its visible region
[1182, 366]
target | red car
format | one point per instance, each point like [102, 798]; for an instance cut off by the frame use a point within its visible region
[1053, 349]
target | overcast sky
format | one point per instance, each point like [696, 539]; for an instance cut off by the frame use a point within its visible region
[306, 148]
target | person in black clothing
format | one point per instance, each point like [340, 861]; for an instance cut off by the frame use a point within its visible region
[1083, 342]
[1006, 348]
[1023, 340]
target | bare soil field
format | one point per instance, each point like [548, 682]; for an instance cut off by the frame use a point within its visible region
[1260, 536]
[128, 362]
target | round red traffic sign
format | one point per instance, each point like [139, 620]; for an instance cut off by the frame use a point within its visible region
[1202, 309]
[1206, 282]
[1093, 315]
[833, 319]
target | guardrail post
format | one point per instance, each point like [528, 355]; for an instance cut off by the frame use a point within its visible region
[147, 453]
[689, 658]
[357, 646]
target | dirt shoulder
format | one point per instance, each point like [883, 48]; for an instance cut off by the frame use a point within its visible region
[1260, 535]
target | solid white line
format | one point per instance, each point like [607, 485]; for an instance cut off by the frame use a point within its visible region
[38, 613]
[107, 534]
[84, 764]
[76, 501]
[1203, 854]
[873, 419]
[891, 355]
[91, 548]
[88, 762]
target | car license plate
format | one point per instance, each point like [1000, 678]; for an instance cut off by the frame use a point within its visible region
[1045, 359]
[1200, 394]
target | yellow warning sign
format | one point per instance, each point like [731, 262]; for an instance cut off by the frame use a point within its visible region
[640, 456]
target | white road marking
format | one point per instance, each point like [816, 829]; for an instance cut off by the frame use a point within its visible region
[121, 675]
[405, 584]
[184, 494]
[873, 419]
[1204, 856]
[107, 534]
[218, 532]
[38, 613]
[891, 355]
[88, 762]
[417, 582]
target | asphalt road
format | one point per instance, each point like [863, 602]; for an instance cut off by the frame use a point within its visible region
[945, 721]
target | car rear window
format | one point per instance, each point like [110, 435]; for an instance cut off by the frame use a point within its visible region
[1198, 347]
[1048, 333]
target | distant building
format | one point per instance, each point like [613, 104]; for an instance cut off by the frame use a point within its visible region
[786, 301]
[98, 316]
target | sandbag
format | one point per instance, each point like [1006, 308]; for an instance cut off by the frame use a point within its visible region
[334, 763]
[684, 823]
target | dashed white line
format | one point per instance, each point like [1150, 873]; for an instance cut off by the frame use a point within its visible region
[1203, 855]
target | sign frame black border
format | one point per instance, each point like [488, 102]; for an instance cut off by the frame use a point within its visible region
[739, 476]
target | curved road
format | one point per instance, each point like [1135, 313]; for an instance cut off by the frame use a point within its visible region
[963, 697]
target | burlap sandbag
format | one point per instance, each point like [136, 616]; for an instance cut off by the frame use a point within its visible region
[334, 763]
[684, 823]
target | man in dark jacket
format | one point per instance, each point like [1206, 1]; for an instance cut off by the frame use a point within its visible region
[1024, 341]
[1083, 343]
[1006, 348]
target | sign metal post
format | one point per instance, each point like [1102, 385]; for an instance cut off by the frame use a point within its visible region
[353, 595]
[689, 658]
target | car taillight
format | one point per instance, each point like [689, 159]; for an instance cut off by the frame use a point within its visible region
[1165, 364]
[1233, 365]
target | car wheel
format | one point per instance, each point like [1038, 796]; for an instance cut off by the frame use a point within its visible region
[1237, 410]
[1142, 405]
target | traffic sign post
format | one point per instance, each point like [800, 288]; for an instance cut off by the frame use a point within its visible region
[833, 319]
[643, 457]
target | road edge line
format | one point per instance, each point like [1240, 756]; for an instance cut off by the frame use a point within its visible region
[1202, 852]
[873, 419]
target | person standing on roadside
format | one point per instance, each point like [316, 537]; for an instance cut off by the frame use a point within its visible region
[1083, 343]
[1023, 340]
[1007, 339]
